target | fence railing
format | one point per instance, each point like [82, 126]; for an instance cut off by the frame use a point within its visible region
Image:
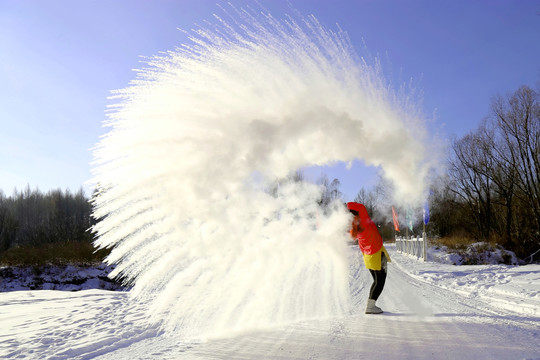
[413, 246]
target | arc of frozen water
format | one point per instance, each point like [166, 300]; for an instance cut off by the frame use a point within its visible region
[196, 139]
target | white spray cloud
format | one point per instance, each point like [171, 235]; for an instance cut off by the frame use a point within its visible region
[189, 225]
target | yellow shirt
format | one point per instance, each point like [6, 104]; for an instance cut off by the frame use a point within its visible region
[373, 261]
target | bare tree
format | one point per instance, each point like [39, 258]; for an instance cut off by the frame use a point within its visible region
[495, 173]
[469, 171]
[518, 119]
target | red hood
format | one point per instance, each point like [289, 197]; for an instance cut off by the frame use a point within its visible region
[362, 211]
[369, 239]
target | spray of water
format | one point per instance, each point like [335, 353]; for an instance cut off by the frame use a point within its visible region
[196, 142]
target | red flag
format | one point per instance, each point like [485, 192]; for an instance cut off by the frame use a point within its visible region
[394, 216]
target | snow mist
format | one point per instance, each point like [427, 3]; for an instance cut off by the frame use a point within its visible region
[200, 137]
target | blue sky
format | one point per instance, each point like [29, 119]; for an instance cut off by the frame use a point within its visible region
[60, 59]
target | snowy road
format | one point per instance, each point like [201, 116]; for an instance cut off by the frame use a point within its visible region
[422, 320]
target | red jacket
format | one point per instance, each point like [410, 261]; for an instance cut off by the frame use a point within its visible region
[365, 230]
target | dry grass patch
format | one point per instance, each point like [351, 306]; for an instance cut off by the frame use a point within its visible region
[61, 253]
[454, 242]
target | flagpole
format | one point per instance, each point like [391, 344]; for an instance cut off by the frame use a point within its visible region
[424, 235]
[426, 220]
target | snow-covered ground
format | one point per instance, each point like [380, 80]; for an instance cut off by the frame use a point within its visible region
[432, 311]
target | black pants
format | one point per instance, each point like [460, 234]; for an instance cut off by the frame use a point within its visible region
[379, 278]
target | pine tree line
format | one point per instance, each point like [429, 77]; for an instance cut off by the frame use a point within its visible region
[31, 218]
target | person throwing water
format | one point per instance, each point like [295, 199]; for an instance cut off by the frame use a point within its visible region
[375, 255]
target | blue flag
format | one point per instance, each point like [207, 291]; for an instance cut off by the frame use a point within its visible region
[426, 213]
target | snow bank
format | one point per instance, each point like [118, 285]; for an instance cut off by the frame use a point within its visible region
[50, 277]
[479, 253]
[508, 287]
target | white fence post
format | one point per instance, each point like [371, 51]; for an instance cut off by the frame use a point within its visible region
[424, 235]
[414, 246]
